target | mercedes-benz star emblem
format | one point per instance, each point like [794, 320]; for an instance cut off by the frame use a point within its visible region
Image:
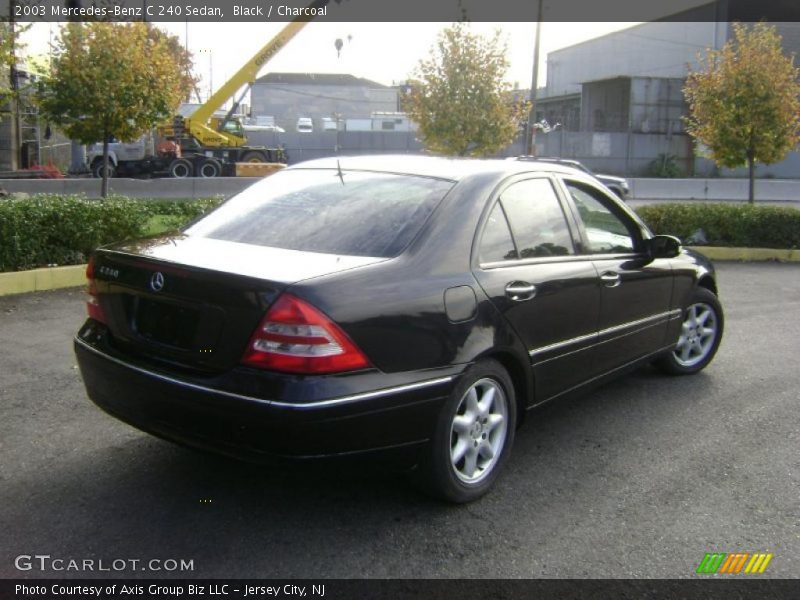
[157, 281]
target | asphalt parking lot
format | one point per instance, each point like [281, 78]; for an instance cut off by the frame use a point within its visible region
[639, 479]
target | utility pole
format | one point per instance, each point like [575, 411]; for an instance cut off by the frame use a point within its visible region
[530, 129]
[15, 133]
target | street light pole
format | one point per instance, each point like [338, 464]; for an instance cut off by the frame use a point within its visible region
[530, 130]
[210, 70]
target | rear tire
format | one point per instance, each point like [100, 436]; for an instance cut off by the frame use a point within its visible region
[698, 341]
[473, 437]
[181, 168]
[210, 167]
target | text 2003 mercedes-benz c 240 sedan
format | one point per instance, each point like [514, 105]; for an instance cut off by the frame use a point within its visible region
[410, 307]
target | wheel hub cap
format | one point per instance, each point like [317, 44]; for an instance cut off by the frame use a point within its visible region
[478, 431]
[699, 332]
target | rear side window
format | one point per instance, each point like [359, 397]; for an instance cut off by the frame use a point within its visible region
[496, 243]
[324, 210]
[537, 221]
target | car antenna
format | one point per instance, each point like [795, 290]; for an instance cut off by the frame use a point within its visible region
[339, 171]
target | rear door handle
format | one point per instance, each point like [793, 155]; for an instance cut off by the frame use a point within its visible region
[610, 279]
[519, 291]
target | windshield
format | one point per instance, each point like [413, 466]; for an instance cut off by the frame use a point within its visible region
[329, 211]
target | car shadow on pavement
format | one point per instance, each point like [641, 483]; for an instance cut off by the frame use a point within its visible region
[143, 497]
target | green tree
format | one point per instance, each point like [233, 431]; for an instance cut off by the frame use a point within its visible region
[7, 59]
[111, 79]
[459, 97]
[11, 85]
[744, 100]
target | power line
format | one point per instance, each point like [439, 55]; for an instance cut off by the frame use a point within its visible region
[321, 96]
[655, 39]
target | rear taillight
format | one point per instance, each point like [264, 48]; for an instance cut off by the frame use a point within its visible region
[295, 337]
[92, 306]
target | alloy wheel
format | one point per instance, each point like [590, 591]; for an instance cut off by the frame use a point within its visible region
[698, 334]
[478, 431]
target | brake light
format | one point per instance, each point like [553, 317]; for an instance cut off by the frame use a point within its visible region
[295, 337]
[92, 305]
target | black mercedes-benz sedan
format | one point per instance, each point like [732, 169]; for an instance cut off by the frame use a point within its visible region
[412, 308]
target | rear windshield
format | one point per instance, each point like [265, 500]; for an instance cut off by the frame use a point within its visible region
[324, 210]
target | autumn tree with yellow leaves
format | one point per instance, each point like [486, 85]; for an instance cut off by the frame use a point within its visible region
[459, 97]
[112, 79]
[744, 100]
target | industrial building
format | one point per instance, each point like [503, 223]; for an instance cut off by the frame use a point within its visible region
[288, 97]
[619, 99]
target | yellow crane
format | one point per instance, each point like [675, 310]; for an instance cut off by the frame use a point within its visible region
[201, 143]
[215, 132]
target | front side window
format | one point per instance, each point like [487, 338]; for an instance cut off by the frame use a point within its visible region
[328, 211]
[606, 233]
[536, 219]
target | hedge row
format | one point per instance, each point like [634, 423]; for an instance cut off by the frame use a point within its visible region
[64, 229]
[738, 225]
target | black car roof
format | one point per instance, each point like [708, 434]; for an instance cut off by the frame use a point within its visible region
[453, 169]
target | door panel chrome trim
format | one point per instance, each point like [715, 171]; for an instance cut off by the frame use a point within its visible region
[651, 320]
[307, 406]
[544, 260]
[569, 342]
[590, 381]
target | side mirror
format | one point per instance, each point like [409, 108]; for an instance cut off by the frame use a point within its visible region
[664, 246]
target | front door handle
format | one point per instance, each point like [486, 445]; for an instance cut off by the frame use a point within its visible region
[519, 291]
[610, 279]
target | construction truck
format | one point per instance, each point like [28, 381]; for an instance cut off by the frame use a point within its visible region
[157, 155]
[200, 140]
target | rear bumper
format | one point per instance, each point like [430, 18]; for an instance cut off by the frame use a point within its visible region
[390, 422]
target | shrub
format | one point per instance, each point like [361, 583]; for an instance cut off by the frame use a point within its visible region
[665, 166]
[185, 209]
[48, 171]
[743, 225]
[64, 229]
[175, 214]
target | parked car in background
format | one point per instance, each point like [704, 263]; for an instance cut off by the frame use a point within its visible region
[618, 185]
[412, 308]
[272, 128]
[329, 124]
[305, 125]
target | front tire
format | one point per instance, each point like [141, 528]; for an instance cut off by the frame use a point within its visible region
[97, 169]
[701, 333]
[473, 436]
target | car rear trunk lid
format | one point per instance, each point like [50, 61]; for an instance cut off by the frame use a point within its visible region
[195, 302]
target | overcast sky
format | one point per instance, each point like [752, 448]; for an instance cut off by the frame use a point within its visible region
[383, 52]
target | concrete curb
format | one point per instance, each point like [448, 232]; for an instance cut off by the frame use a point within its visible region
[52, 278]
[748, 254]
[37, 280]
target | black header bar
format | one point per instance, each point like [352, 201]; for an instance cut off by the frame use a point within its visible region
[399, 10]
